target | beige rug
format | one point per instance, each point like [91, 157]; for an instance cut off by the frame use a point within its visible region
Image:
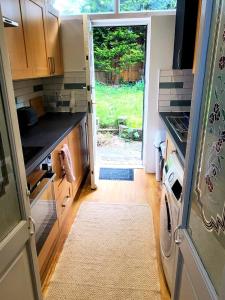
[109, 255]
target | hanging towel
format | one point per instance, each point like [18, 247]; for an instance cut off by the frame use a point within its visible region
[66, 163]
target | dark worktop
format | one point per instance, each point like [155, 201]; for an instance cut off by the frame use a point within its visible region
[48, 133]
[181, 146]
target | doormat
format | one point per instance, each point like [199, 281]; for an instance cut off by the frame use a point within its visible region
[116, 174]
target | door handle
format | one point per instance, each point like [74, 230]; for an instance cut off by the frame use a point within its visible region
[177, 241]
[32, 227]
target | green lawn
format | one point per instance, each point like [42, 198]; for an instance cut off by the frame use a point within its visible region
[125, 100]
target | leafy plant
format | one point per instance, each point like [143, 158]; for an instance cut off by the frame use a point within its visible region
[142, 5]
[118, 48]
[114, 102]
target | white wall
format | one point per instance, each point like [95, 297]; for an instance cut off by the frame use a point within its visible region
[161, 57]
[73, 45]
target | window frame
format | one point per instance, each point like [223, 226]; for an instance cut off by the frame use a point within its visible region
[117, 13]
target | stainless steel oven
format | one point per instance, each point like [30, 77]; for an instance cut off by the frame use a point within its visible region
[43, 204]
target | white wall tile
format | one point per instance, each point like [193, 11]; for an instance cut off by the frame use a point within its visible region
[188, 85]
[164, 91]
[165, 78]
[181, 91]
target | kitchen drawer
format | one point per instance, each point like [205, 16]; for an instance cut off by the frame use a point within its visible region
[64, 199]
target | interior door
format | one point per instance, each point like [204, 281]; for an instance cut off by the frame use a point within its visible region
[201, 253]
[90, 86]
[19, 277]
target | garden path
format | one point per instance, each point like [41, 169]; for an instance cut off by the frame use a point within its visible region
[112, 150]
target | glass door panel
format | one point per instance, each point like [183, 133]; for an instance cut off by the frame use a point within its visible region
[207, 214]
[10, 214]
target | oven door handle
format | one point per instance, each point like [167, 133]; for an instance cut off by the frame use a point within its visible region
[35, 195]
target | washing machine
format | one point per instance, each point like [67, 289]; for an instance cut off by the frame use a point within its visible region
[169, 213]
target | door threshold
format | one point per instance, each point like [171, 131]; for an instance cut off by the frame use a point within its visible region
[121, 166]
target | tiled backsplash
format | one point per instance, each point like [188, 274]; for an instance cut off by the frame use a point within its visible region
[27, 89]
[61, 94]
[66, 93]
[175, 90]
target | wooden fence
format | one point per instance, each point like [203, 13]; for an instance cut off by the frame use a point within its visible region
[133, 74]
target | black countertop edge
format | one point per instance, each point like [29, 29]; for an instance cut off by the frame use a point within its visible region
[50, 145]
[181, 147]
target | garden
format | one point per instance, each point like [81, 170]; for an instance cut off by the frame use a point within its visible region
[119, 69]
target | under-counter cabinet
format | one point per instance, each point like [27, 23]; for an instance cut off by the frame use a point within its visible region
[65, 191]
[84, 144]
[170, 147]
[59, 194]
[74, 139]
[62, 188]
[34, 46]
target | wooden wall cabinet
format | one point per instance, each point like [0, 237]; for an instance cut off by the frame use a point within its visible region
[21, 62]
[54, 51]
[34, 47]
[33, 15]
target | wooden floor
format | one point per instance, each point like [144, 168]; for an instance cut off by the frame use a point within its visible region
[144, 189]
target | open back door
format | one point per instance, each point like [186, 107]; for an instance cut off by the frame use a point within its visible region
[90, 86]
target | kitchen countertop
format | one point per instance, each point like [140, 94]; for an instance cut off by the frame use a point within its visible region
[48, 133]
[181, 146]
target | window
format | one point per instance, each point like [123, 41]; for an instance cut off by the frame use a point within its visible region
[77, 7]
[146, 5]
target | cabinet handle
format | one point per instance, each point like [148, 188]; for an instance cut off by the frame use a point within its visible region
[53, 63]
[67, 198]
[50, 65]
[81, 130]
[178, 58]
[86, 146]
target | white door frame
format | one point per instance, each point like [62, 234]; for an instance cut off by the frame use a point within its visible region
[136, 22]
[195, 265]
[19, 169]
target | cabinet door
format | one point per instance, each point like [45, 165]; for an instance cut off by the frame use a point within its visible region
[53, 43]
[75, 150]
[19, 60]
[84, 145]
[59, 180]
[170, 147]
[33, 13]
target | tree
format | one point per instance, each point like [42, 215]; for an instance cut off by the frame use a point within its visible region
[141, 5]
[118, 48]
[97, 6]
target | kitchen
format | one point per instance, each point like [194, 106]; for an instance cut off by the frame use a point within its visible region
[48, 83]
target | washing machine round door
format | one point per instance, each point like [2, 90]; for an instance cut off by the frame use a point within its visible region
[166, 224]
